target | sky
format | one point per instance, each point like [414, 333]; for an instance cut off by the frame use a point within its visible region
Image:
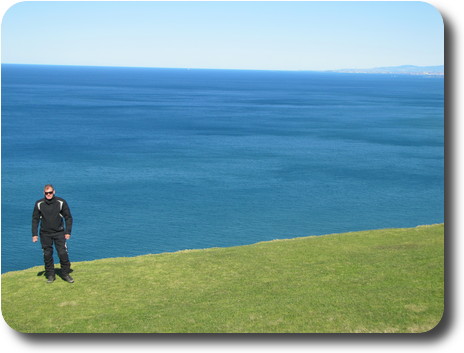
[224, 35]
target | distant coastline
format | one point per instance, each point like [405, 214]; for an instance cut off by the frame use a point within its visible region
[438, 70]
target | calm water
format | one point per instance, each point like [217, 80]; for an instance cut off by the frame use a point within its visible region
[157, 160]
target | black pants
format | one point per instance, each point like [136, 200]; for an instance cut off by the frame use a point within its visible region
[47, 242]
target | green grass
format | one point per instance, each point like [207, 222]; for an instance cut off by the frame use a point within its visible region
[387, 280]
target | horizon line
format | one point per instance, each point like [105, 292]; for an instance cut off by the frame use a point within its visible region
[339, 70]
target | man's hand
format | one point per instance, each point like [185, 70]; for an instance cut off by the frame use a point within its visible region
[67, 236]
[35, 239]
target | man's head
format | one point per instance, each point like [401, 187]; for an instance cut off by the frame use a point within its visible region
[49, 191]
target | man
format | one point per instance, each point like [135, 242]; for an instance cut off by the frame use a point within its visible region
[50, 212]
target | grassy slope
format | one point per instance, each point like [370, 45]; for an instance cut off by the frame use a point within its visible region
[373, 281]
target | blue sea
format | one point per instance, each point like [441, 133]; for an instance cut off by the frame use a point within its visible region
[161, 160]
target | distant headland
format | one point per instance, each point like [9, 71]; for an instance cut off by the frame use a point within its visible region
[403, 70]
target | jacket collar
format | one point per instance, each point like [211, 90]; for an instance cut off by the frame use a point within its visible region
[52, 200]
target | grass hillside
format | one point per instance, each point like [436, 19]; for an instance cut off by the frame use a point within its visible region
[387, 280]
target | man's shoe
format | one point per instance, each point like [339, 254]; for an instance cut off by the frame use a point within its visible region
[50, 279]
[68, 278]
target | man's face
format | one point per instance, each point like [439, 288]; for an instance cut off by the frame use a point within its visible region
[49, 193]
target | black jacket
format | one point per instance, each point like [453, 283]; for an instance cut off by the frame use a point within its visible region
[50, 214]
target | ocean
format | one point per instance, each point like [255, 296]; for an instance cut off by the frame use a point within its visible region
[160, 160]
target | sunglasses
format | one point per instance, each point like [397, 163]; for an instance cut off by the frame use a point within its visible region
[48, 192]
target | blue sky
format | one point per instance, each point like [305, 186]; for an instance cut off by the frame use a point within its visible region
[229, 35]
